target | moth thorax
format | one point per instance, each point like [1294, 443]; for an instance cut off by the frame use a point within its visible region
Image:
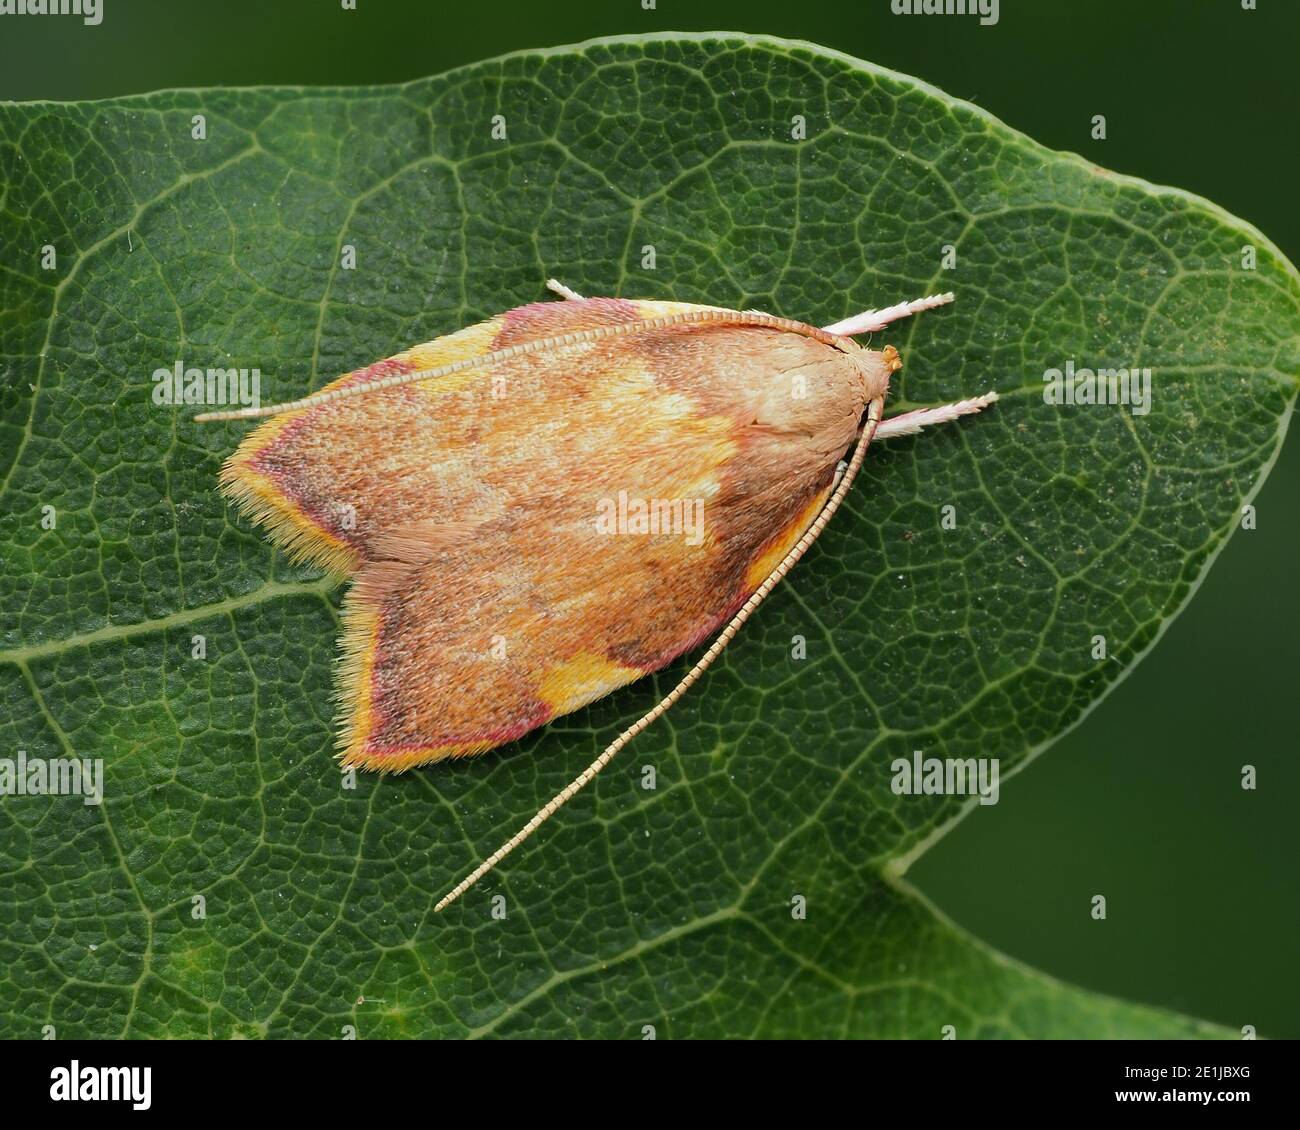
[874, 368]
[818, 400]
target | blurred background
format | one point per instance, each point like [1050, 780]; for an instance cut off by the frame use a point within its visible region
[1142, 801]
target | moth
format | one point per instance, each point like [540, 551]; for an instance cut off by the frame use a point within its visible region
[539, 509]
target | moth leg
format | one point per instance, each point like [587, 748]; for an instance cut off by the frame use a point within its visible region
[909, 423]
[871, 320]
[557, 287]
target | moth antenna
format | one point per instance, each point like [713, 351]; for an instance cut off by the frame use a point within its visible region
[909, 423]
[869, 321]
[787, 563]
[557, 287]
[578, 337]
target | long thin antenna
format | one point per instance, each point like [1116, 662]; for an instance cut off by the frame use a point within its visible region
[837, 335]
[567, 293]
[715, 649]
[578, 337]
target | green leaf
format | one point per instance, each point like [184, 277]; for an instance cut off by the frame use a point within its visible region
[671, 907]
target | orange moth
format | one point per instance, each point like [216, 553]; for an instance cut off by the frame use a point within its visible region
[546, 506]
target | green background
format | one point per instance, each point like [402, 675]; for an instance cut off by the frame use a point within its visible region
[1141, 802]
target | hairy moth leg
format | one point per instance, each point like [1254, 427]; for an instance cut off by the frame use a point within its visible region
[869, 321]
[909, 423]
[557, 287]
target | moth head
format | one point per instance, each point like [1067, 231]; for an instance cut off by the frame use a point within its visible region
[872, 369]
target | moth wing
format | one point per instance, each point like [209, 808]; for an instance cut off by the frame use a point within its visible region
[324, 480]
[304, 475]
[533, 533]
[470, 641]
